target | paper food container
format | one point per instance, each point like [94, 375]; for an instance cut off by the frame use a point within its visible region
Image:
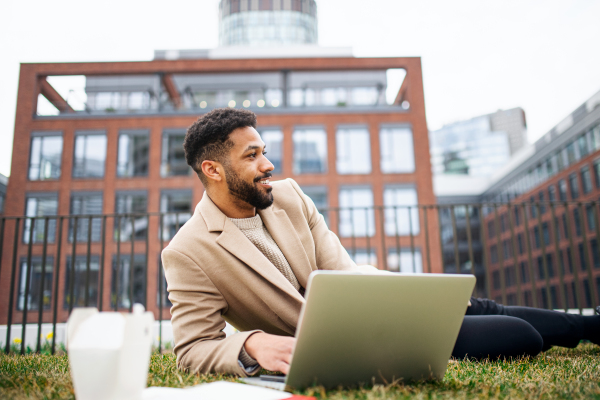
[109, 353]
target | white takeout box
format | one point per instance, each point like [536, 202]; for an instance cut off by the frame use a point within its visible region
[109, 353]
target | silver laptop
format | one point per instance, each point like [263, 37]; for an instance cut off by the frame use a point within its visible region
[364, 329]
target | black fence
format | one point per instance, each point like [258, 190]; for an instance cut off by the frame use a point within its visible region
[536, 254]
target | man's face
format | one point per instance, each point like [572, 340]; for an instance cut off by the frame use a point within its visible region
[247, 170]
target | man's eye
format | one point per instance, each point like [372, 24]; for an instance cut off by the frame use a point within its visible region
[264, 152]
[252, 154]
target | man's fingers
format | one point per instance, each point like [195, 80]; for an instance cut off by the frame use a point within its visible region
[284, 367]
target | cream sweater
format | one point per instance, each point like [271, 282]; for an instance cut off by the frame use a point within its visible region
[254, 229]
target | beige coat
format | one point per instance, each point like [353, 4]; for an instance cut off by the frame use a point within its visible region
[215, 274]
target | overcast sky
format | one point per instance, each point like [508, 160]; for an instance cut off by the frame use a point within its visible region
[478, 56]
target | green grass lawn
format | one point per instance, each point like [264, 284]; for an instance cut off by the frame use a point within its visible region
[557, 374]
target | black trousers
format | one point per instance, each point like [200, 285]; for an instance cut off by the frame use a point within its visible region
[493, 330]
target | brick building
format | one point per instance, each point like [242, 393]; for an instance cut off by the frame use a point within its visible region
[326, 124]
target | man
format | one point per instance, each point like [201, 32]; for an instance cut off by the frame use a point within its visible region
[246, 253]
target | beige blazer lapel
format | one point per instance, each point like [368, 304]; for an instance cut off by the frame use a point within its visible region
[281, 229]
[233, 240]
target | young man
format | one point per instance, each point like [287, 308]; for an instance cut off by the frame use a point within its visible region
[246, 253]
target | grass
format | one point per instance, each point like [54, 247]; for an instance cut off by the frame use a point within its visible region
[557, 374]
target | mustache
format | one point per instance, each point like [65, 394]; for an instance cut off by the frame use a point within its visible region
[265, 176]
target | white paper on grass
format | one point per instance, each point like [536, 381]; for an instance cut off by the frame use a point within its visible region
[215, 391]
[109, 353]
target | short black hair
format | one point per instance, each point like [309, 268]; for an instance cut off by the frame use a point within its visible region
[208, 137]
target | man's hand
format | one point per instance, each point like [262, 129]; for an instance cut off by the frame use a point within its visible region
[271, 351]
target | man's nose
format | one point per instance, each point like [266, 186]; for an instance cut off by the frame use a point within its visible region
[266, 165]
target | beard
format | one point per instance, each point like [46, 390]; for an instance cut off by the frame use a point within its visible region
[248, 192]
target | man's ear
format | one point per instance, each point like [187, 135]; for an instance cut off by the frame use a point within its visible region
[213, 170]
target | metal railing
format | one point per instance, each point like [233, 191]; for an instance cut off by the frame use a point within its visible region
[51, 264]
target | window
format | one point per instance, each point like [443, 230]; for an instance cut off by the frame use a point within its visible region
[586, 179]
[520, 244]
[491, 229]
[552, 193]
[177, 207]
[40, 283]
[560, 163]
[401, 211]
[562, 190]
[524, 272]
[173, 157]
[83, 204]
[318, 194]
[81, 277]
[582, 262]
[133, 202]
[565, 226]
[517, 216]
[595, 253]
[90, 154]
[582, 145]
[542, 205]
[356, 215]
[591, 220]
[310, 151]
[45, 158]
[404, 261]
[533, 208]
[362, 257]
[132, 159]
[2, 201]
[546, 233]
[397, 153]
[507, 250]
[571, 155]
[597, 173]
[353, 150]
[494, 254]
[125, 280]
[40, 205]
[577, 221]
[536, 237]
[273, 138]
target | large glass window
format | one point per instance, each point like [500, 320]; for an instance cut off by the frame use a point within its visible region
[133, 202]
[318, 194]
[586, 179]
[356, 215]
[597, 173]
[125, 281]
[574, 184]
[90, 154]
[401, 212]
[403, 261]
[45, 158]
[353, 150]
[39, 278]
[133, 154]
[310, 151]
[82, 205]
[84, 279]
[173, 157]
[562, 190]
[177, 206]
[273, 138]
[397, 153]
[40, 205]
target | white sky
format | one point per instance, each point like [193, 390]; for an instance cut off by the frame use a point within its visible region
[478, 56]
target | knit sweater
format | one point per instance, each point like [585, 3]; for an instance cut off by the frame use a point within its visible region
[254, 229]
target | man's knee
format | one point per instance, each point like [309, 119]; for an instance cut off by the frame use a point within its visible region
[496, 337]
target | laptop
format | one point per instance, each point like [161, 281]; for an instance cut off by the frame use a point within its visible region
[374, 328]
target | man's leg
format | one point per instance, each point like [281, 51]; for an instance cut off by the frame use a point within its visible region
[556, 328]
[496, 336]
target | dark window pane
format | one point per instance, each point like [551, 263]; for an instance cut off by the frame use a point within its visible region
[177, 207]
[90, 156]
[45, 157]
[36, 273]
[79, 283]
[131, 203]
[133, 153]
[310, 151]
[42, 205]
[552, 193]
[562, 190]
[83, 204]
[574, 186]
[273, 139]
[586, 179]
[125, 281]
[173, 161]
